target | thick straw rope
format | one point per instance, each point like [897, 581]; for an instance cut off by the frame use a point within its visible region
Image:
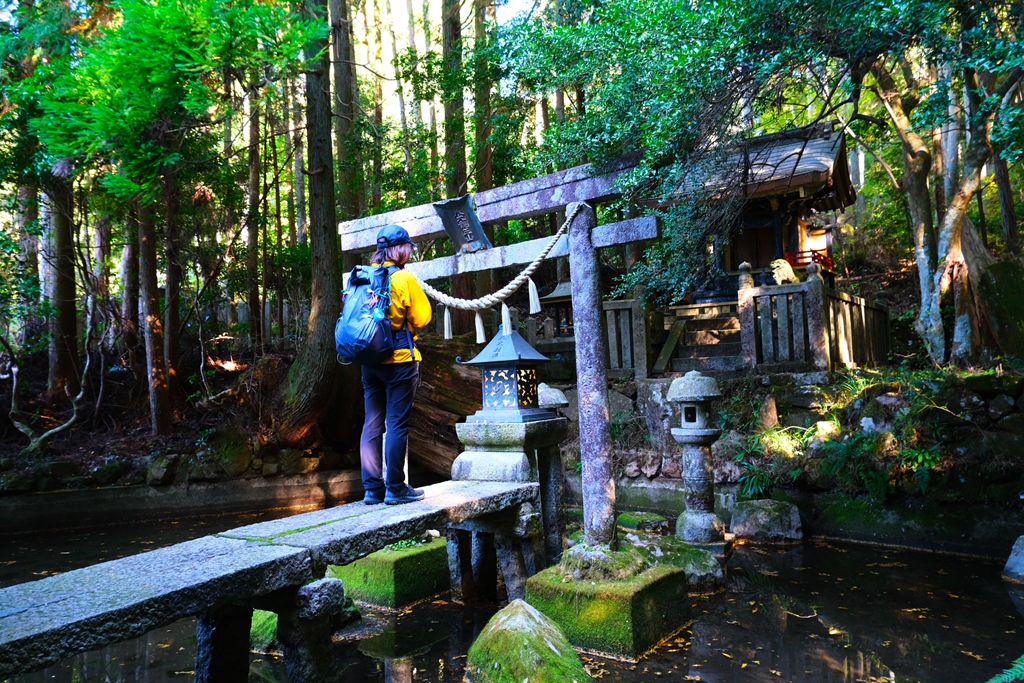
[489, 300]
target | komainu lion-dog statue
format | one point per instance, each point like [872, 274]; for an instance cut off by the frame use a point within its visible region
[783, 272]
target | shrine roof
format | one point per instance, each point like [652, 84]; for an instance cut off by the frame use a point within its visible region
[807, 162]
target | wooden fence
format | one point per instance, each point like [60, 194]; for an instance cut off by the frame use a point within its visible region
[626, 330]
[793, 326]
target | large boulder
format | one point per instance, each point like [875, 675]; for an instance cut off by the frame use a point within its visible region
[767, 521]
[1014, 569]
[519, 644]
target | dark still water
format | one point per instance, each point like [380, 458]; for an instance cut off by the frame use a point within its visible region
[818, 613]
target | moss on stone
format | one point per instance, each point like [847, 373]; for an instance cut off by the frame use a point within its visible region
[1000, 287]
[521, 644]
[263, 632]
[703, 570]
[621, 618]
[600, 563]
[396, 577]
[640, 521]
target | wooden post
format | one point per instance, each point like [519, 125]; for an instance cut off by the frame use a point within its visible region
[592, 382]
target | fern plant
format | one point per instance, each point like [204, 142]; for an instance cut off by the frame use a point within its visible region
[1014, 673]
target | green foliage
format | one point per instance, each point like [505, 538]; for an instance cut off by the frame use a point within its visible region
[146, 94]
[853, 463]
[755, 481]
[1014, 673]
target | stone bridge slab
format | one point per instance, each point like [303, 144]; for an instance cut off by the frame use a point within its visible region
[44, 621]
[345, 533]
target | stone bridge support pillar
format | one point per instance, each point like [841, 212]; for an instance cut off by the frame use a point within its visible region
[306, 617]
[222, 645]
[522, 544]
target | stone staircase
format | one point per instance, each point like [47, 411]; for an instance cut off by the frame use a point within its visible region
[708, 341]
[710, 345]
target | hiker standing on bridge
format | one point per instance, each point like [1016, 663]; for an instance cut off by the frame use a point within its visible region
[389, 388]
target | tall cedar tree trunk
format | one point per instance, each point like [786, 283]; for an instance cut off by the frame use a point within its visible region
[311, 377]
[275, 258]
[291, 151]
[265, 178]
[130, 294]
[172, 285]
[28, 264]
[1007, 210]
[416, 109]
[152, 330]
[63, 375]
[345, 89]
[376, 186]
[431, 109]
[399, 90]
[298, 170]
[483, 175]
[252, 225]
[455, 140]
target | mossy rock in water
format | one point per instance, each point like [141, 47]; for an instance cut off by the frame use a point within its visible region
[398, 575]
[521, 644]
[767, 521]
[621, 618]
[703, 571]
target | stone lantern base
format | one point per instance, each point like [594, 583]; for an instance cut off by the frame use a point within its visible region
[703, 529]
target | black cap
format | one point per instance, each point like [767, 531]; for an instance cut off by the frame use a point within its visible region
[392, 236]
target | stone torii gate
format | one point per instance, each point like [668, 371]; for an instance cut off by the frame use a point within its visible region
[526, 199]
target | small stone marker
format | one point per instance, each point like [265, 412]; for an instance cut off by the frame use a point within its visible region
[521, 644]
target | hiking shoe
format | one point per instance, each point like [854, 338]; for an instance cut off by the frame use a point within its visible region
[375, 497]
[408, 495]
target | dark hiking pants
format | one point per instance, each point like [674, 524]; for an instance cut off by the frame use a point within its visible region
[388, 392]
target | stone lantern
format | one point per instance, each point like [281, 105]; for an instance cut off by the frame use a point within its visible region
[693, 392]
[508, 366]
[511, 438]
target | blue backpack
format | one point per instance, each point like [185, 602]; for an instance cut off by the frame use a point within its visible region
[363, 332]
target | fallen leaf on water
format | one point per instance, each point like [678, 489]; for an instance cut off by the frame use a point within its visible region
[971, 654]
[727, 655]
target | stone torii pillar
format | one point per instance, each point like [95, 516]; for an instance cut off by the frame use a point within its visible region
[592, 381]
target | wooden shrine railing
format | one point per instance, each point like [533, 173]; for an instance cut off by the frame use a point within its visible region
[793, 326]
[626, 328]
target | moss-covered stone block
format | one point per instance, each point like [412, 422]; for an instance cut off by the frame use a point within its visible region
[642, 521]
[703, 571]
[397, 576]
[621, 618]
[521, 644]
[263, 632]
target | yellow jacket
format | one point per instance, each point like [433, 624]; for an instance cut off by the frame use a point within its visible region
[408, 304]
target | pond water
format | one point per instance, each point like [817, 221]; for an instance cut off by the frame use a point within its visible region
[817, 613]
